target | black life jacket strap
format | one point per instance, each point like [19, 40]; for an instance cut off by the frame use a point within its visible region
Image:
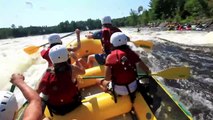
[44, 104]
[131, 95]
[113, 92]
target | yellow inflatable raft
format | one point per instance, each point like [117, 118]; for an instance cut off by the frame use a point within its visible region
[88, 47]
[153, 102]
[93, 46]
[94, 71]
[102, 107]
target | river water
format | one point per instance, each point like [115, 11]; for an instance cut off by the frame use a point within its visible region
[196, 93]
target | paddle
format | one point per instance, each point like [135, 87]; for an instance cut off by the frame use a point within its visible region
[12, 88]
[32, 49]
[143, 43]
[170, 73]
[174, 73]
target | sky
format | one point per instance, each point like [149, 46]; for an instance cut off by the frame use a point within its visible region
[52, 12]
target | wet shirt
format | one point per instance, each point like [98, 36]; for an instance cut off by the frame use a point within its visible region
[59, 88]
[123, 65]
[45, 55]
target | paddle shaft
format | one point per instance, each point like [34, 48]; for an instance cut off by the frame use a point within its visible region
[61, 38]
[170, 73]
[33, 49]
[12, 88]
[67, 35]
[96, 77]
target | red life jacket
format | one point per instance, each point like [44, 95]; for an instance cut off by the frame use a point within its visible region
[59, 88]
[106, 34]
[123, 66]
[45, 55]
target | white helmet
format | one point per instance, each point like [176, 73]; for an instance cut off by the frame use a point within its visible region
[54, 38]
[118, 39]
[106, 20]
[8, 105]
[58, 54]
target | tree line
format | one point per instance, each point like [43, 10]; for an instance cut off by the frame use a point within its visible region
[159, 10]
[179, 11]
[40, 30]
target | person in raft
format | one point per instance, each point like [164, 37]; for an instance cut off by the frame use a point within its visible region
[58, 86]
[107, 30]
[120, 67]
[9, 105]
[55, 39]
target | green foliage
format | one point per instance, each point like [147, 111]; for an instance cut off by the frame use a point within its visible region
[187, 20]
[133, 19]
[5, 33]
[210, 6]
[193, 7]
[119, 22]
[145, 18]
[177, 18]
[60, 28]
[179, 10]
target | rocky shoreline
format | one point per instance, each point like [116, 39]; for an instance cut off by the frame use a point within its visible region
[201, 26]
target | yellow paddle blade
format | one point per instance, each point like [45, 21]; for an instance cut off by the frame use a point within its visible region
[31, 49]
[174, 73]
[143, 43]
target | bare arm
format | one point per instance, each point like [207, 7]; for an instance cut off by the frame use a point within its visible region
[78, 69]
[73, 55]
[33, 110]
[89, 35]
[77, 31]
[102, 83]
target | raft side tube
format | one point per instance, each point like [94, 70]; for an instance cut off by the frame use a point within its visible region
[88, 47]
[102, 106]
[94, 71]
